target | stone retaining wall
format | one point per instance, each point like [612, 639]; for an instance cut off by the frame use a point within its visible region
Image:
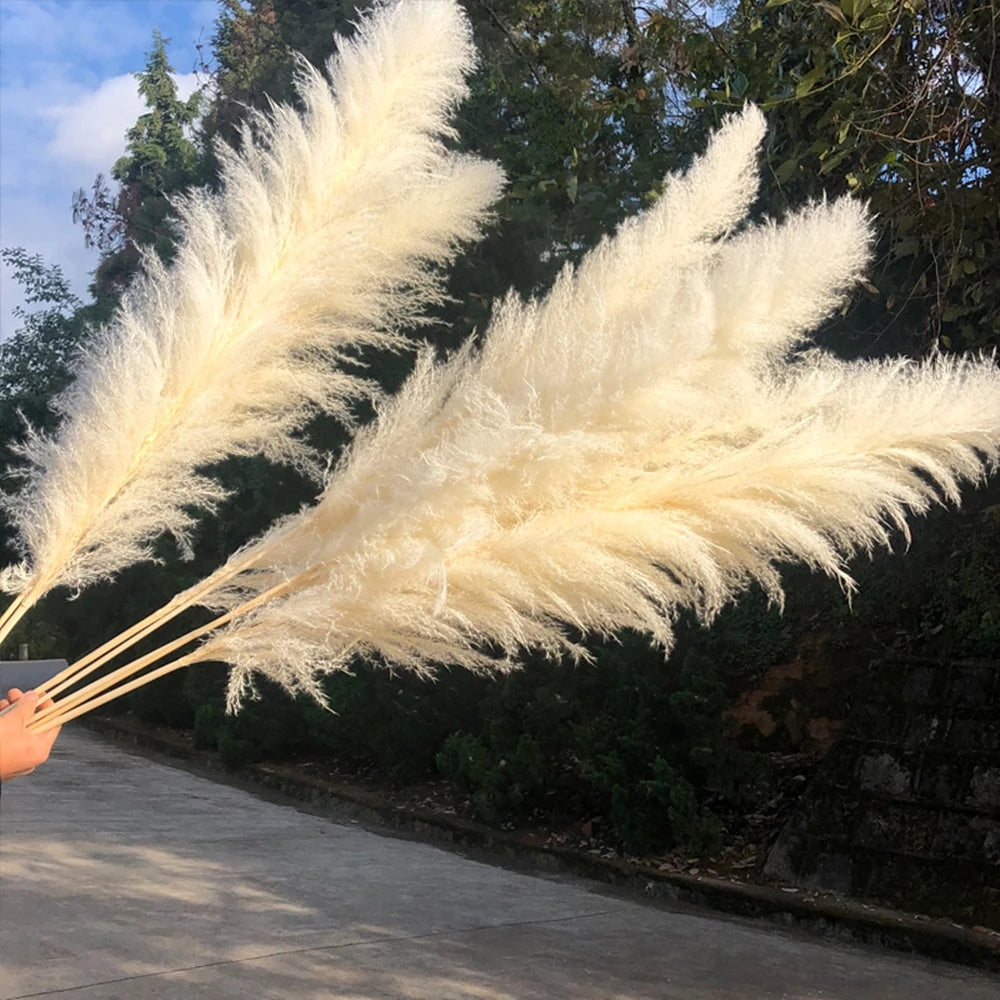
[905, 809]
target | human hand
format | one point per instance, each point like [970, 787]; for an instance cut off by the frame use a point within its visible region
[20, 750]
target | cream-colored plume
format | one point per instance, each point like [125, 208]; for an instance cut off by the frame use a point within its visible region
[773, 284]
[471, 547]
[608, 456]
[325, 236]
[600, 463]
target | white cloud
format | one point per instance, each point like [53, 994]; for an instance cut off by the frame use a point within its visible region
[67, 97]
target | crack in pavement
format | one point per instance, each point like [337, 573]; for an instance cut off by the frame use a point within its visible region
[383, 939]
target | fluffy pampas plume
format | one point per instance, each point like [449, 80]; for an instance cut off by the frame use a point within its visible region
[326, 235]
[609, 455]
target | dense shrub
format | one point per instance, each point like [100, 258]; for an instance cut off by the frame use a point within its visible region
[632, 739]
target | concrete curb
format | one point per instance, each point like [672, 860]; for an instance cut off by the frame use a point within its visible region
[827, 914]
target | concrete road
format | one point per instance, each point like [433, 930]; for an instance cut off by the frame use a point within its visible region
[124, 879]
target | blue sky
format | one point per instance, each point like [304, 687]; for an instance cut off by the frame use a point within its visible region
[67, 95]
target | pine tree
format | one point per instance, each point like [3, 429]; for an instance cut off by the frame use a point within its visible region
[160, 158]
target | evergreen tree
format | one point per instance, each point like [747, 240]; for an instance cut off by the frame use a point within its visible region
[160, 158]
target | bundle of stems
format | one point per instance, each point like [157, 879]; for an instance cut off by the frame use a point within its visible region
[327, 235]
[653, 435]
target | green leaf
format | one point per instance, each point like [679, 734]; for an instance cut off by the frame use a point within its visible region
[830, 162]
[809, 81]
[785, 170]
[875, 22]
[853, 9]
[954, 312]
[835, 12]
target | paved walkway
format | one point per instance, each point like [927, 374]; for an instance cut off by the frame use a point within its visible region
[125, 879]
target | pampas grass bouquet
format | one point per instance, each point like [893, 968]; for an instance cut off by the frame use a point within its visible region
[653, 434]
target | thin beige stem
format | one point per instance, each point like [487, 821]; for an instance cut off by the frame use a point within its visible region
[16, 610]
[40, 725]
[96, 688]
[86, 665]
